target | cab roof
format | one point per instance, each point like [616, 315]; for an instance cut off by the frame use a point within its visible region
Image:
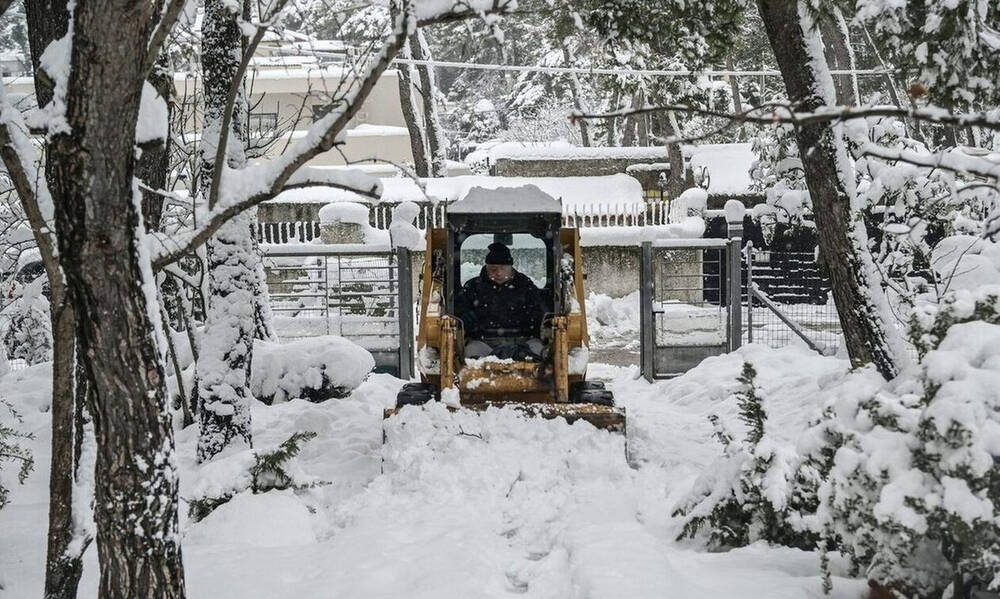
[525, 199]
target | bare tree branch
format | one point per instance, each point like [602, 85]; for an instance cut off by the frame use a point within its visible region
[234, 89]
[22, 164]
[166, 22]
[260, 182]
[779, 114]
[949, 161]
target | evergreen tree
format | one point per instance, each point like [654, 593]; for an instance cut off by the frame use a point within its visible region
[746, 495]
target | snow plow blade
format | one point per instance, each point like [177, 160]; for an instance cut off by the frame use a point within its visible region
[600, 416]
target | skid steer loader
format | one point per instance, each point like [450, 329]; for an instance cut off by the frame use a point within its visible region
[550, 383]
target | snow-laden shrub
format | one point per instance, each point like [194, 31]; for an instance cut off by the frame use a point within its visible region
[402, 231]
[256, 470]
[314, 368]
[747, 495]
[11, 450]
[29, 333]
[912, 484]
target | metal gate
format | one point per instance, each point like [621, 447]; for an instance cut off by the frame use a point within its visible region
[690, 303]
[362, 293]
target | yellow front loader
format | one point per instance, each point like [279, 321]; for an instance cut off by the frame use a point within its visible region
[554, 383]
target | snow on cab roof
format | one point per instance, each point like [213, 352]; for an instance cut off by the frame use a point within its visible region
[506, 200]
[571, 191]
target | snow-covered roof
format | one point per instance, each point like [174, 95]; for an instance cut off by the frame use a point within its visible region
[521, 199]
[728, 166]
[571, 191]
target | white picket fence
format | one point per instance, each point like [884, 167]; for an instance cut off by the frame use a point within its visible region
[610, 214]
[287, 231]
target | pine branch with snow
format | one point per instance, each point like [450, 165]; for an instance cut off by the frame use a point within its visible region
[256, 470]
[748, 494]
[12, 451]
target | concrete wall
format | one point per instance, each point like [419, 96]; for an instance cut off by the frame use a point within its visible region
[614, 271]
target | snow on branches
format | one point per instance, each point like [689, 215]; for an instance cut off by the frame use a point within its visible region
[947, 50]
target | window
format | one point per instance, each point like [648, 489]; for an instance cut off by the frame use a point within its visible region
[262, 124]
[528, 252]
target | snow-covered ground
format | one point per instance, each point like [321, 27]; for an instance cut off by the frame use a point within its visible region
[464, 505]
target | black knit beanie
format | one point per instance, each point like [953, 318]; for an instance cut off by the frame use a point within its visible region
[499, 254]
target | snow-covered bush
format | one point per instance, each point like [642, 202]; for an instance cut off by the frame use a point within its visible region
[29, 333]
[11, 451]
[314, 368]
[402, 231]
[912, 485]
[747, 495]
[258, 471]
[778, 173]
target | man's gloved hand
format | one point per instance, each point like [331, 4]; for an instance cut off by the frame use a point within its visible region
[519, 352]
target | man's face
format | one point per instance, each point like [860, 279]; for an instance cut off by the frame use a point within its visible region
[499, 273]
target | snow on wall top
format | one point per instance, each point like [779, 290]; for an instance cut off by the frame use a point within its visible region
[728, 166]
[561, 150]
[572, 191]
[521, 199]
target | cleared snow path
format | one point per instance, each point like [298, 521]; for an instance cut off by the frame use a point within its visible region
[492, 505]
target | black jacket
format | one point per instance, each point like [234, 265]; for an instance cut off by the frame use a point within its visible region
[515, 306]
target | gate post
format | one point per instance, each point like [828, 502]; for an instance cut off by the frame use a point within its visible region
[735, 212]
[646, 334]
[405, 309]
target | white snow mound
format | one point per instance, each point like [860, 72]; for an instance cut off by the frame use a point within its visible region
[324, 364]
[272, 519]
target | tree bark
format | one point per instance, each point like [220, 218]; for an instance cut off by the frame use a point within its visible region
[842, 240]
[154, 162]
[47, 21]
[412, 120]
[63, 566]
[437, 162]
[407, 102]
[89, 172]
[577, 93]
[226, 355]
[839, 56]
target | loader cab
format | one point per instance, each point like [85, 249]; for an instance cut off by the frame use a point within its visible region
[524, 219]
[528, 222]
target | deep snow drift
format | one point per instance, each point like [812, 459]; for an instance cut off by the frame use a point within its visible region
[467, 505]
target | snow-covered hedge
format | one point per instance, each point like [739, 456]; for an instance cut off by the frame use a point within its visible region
[913, 488]
[901, 476]
[315, 368]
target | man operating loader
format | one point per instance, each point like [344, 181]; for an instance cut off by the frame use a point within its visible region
[501, 310]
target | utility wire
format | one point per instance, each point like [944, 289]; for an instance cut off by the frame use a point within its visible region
[581, 70]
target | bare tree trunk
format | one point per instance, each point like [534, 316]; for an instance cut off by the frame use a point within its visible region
[839, 56]
[432, 124]
[48, 21]
[226, 355]
[412, 119]
[613, 121]
[407, 102]
[676, 182]
[577, 92]
[642, 121]
[155, 161]
[734, 87]
[860, 301]
[108, 284]
[63, 565]
[263, 317]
